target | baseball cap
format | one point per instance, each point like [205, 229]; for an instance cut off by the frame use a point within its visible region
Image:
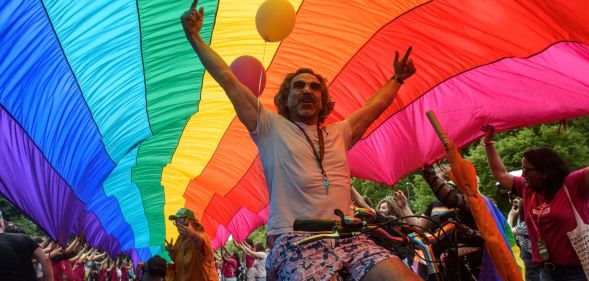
[183, 212]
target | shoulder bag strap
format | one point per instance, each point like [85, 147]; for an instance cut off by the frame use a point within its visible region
[577, 216]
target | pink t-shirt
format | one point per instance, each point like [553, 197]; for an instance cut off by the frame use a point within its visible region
[79, 272]
[57, 270]
[229, 267]
[102, 275]
[113, 274]
[124, 273]
[61, 268]
[554, 219]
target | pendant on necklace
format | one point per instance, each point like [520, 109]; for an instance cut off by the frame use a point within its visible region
[326, 184]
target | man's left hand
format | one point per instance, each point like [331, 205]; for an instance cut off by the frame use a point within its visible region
[404, 68]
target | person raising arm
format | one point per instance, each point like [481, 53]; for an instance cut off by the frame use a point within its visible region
[549, 190]
[243, 100]
[305, 163]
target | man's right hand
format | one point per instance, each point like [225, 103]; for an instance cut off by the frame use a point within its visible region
[192, 22]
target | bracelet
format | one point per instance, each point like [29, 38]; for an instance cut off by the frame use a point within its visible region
[490, 143]
[397, 78]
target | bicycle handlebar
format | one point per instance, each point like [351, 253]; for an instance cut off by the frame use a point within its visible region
[349, 227]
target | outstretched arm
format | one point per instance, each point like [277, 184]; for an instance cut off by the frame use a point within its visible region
[497, 168]
[379, 101]
[243, 100]
[358, 200]
[50, 247]
[40, 256]
[224, 255]
[100, 256]
[447, 194]
[249, 251]
[79, 254]
[511, 219]
[72, 247]
[405, 211]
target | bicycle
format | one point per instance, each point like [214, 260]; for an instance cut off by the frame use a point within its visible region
[387, 233]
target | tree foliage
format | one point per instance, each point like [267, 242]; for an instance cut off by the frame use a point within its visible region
[258, 235]
[15, 216]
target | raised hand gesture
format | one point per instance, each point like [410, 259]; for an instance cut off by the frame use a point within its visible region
[489, 133]
[515, 204]
[404, 68]
[400, 199]
[169, 245]
[192, 21]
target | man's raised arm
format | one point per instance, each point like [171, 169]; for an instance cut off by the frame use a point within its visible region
[243, 100]
[379, 101]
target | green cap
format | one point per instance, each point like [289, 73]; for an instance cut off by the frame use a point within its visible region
[186, 213]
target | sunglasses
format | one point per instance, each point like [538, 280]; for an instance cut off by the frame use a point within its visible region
[300, 85]
[182, 221]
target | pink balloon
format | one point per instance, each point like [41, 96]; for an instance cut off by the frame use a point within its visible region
[251, 73]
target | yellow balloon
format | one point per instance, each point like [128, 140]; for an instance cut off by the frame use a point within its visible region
[275, 19]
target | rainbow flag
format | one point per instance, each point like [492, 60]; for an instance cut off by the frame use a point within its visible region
[488, 271]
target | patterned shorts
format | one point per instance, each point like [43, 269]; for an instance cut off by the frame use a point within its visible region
[324, 259]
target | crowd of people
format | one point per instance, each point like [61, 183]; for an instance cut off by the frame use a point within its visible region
[25, 258]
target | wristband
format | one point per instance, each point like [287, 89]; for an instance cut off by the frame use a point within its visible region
[489, 143]
[396, 77]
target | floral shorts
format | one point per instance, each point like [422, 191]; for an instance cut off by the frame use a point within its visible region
[324, 259]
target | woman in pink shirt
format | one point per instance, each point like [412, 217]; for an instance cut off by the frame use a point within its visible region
[543, 185]
[229, 266]
[102, 273]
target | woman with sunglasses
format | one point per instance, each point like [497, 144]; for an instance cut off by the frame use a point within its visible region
[545, 181]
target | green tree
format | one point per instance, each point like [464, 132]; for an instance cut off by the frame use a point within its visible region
[258, 235]
[413, 185]
[18, 218]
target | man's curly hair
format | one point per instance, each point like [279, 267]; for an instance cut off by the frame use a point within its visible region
[281, 98]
